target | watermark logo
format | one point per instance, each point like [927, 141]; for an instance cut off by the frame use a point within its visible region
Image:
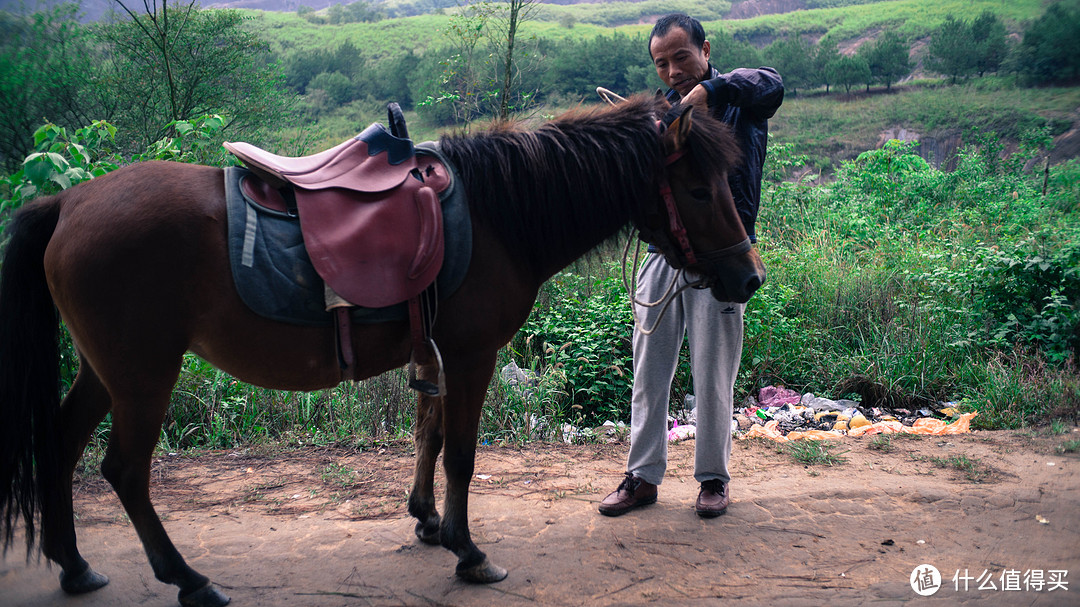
[925, 580]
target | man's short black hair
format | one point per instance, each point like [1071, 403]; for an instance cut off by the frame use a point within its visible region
[688, 24]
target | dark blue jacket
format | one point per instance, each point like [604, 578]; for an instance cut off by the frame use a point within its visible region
[745, 99]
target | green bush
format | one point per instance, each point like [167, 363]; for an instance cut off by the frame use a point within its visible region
[584, 331]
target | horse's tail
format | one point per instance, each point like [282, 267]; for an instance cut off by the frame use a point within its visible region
[29, 371]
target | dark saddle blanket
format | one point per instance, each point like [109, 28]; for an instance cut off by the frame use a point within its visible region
[391, 222]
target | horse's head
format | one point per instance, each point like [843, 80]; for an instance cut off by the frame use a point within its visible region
[698, 227]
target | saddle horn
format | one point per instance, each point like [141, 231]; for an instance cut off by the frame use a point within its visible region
[396, 119]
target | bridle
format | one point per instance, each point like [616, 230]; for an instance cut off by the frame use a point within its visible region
[683, 251]
[675, 224]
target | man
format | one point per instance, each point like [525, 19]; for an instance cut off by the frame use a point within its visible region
[744, 99]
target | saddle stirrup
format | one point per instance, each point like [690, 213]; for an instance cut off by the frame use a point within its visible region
[422, 385]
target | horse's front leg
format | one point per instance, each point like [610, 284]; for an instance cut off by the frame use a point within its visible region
[463, 402]
[428, 437]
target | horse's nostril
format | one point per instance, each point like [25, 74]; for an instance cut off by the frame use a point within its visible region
[753, 283]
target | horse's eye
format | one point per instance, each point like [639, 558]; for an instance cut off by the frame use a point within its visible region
[700, 193]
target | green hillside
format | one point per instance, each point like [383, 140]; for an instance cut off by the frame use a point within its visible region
[910, 18]
[827, 128]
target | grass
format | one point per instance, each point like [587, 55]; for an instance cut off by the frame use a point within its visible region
[898, 282]
[1059, 426]
[972, 468]
[908, 18]
[881, 442]
[813, 452]
[338, 475]
[1070, 446]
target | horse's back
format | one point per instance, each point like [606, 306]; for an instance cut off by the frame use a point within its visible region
[142, 195]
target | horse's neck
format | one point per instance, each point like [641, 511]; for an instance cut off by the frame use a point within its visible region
[550, 200]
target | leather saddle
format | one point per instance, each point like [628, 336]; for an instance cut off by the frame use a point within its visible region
[369, 211]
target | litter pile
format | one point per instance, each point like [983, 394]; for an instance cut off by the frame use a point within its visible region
[781, 414]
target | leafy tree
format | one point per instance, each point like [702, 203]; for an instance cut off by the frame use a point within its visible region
[951, 50]
[887, 58]
[338, 88]
[793, 57]
[847, 71]
[507, 24]
[988, 37]
[825, 54]
[44, 77]
[175, 61]
[1050, 50]
[390, 78]
[642, 78]
[576, 67]
[356, 12]
[726, 53]
[301, 66]
[460, 92]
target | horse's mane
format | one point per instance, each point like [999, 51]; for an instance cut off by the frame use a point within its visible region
[529, 185]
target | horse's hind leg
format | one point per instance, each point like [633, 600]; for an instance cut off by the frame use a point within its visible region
[428, 437]
[82, 410]
[137, 419]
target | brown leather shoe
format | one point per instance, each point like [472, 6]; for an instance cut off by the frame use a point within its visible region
[713, 499]
[632, 492]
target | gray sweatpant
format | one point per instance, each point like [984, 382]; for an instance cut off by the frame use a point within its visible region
[715, 332]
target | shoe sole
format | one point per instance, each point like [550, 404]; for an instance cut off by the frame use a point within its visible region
[621, 511]
[710, 513]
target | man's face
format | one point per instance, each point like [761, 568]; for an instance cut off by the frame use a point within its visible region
[679, 63]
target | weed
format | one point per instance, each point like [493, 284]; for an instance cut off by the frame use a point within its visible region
[1070, 446]
[881, 442]
[339, 475]
[972, 469]
[813, 453]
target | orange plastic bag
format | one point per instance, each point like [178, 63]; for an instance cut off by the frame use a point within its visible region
[769, 431]
[929, 425]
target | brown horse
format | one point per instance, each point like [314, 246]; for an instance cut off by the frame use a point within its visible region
[135, 263]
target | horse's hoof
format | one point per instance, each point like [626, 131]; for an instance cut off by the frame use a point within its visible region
[427, 534]
[484, 573]
[87, 581]
[207, 596]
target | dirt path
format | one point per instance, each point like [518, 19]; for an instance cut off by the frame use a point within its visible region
[328, 527]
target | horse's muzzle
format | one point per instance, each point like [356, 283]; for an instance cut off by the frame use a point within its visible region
[735, 282]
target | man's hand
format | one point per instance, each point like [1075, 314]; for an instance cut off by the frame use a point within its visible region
[698, 97]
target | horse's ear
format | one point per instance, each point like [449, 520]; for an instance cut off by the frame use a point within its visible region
[662, 103]
[681, 126]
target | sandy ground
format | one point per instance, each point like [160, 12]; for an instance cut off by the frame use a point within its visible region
[328, 527]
